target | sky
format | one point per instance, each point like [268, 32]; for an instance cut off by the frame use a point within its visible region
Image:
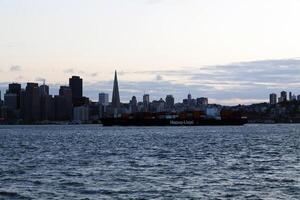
[233, 51]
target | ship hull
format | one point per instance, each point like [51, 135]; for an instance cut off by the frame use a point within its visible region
[172, 122]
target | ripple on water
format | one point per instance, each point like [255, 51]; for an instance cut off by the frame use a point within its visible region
[92, 162]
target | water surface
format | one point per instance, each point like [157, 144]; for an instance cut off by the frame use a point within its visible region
[94, 162]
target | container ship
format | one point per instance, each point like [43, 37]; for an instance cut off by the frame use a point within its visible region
[193, 118]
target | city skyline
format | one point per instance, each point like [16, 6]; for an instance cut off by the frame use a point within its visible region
[76, 90]
[92, 91]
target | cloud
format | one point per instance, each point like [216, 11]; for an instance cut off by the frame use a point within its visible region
[81, 72]
[231, 84]
[39, 79]
[94, 74]
[244, 82]
[14, 68]
[158, 78]
[69, 71]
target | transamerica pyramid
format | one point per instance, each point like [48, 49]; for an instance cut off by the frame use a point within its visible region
[115, 102]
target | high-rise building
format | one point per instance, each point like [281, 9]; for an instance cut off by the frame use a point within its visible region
[290, 96]
[44, 90]
[170, 102]
[32, 103]
[47, 108]
[65, 91]
[81, 114]
[283, 96]
[11, 101]
[103, 99]
[273, 99]
[133, 105]
[115, 103]
[189, 97]
[202, 101]
[15, 88]
[75, 84]
[146, 102]
[65, 99]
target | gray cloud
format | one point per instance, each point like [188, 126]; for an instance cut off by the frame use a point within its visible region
[158, 78]
[14, 68]
[81, 72]
[39, 79]
[94, 74]
[244, 82]
[247, 81]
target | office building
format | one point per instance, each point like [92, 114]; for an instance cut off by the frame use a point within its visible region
[81, 114]
[202, 101]
[170, 102]
[146, 102]
[32, 103]
[44, 90]
[47, 108]
[75, 84]
[15, 88]
[11, 101]
[273, 99]
[283, 96]
[133, 105]
[103, 99]
[63, 104]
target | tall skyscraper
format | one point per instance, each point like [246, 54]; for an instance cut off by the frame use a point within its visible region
[44, 90]
[15, 88]
[146, 102]
[103, 99]
[75, 84]
[283, 96]
[133, 104]
[273, 99]
[32, 103]
[115, 103]
[290, 96]
[64, 104]
[169, 102]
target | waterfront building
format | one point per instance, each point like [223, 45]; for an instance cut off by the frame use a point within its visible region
[44, 90]
[133, 105]
[81, 114]
[32, 103]
[11, 101]
[170, 102]
[146, 102]
[47, 108]
[103, 99]
[64, 105]
[75, 83]
[273, 99]
[15, 88]
[283, 96]
[202, 101]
